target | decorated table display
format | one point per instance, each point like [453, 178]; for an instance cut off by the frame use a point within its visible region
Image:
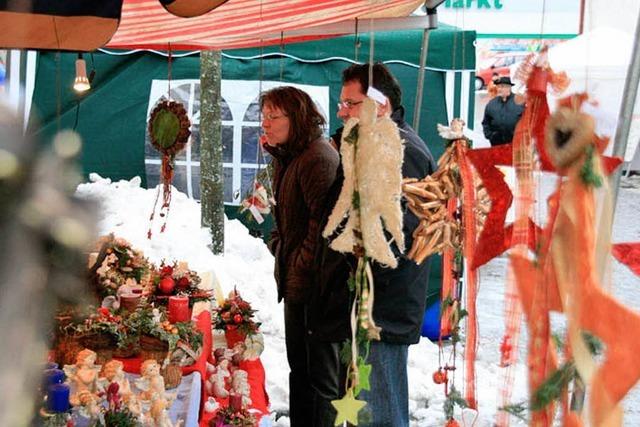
[235, 380]
[140, 320]
[142, 323]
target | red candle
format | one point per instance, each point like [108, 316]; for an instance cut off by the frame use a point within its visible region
[179, 309]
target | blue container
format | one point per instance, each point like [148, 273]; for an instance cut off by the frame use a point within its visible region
[52, 376]
[431, 322]
[58, 398]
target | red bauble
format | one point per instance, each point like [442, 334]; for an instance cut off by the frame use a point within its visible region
[167, 285]
[440, 376]
[237, 318]
[167, 270]
[452, 423]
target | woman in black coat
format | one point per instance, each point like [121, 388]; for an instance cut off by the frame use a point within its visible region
[305, 169]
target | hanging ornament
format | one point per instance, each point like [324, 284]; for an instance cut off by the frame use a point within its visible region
[367, 207]
[257, 203]
[434, 200]
[169, 132]
[566, 276]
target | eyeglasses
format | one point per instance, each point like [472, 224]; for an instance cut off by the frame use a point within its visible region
[348, 104]
[272, 117]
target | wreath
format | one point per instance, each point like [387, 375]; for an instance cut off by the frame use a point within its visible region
[169, 127]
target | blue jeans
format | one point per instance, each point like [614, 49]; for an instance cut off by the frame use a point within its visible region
[388, 399]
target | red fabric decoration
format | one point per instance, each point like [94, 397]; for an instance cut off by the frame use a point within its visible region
[469, 249]
[494, 238]
[629, 255]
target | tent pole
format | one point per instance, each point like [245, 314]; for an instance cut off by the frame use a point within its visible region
[626, 110]
[432, 19]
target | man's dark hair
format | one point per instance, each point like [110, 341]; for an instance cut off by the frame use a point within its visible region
[304, 116]
[383, 80]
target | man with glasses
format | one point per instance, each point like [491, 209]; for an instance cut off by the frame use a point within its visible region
[400, 293]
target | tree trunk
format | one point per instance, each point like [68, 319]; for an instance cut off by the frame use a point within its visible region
[211, 175]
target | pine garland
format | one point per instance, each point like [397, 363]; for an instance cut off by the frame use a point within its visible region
[453, 398]
[553, 386]
[516, 409]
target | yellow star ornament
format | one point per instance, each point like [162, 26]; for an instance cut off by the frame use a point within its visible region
[348, 408]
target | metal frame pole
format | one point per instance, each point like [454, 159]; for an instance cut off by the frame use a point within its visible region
[432, 17]
[626, 111]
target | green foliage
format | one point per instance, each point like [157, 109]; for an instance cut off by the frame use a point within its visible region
[587, 173]
[345, 352]
[121, 418]
[516, 409]
[553, 386]
[454, 398]
[351, 283]
[148, 321]
[558, 341]
[593, 343]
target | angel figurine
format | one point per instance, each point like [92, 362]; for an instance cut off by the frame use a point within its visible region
[217, 381]
[453, 132]
[113, 372]
[159, 415]
[151, 383]
[83, 376]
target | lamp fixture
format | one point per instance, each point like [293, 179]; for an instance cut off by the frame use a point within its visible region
[81, 82]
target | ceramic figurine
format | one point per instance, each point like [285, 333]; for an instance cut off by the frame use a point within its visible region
[83, 379]
[113, 372]
[151, 382]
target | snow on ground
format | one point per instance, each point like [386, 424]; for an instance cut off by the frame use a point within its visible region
[248, 265]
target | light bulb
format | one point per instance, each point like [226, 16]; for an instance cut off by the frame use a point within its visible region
[81, 82]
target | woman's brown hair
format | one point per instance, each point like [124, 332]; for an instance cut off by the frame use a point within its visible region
[305, 120]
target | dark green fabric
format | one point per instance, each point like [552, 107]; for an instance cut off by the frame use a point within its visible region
[449, 47]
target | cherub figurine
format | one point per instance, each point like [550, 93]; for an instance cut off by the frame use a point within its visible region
[453, 132]
[113, 372]
[218, 380]
[151, 383]
[159, 413]
[83, 378]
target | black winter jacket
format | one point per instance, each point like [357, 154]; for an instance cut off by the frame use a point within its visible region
[400, 293]
[301, 183]
[500, 119]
